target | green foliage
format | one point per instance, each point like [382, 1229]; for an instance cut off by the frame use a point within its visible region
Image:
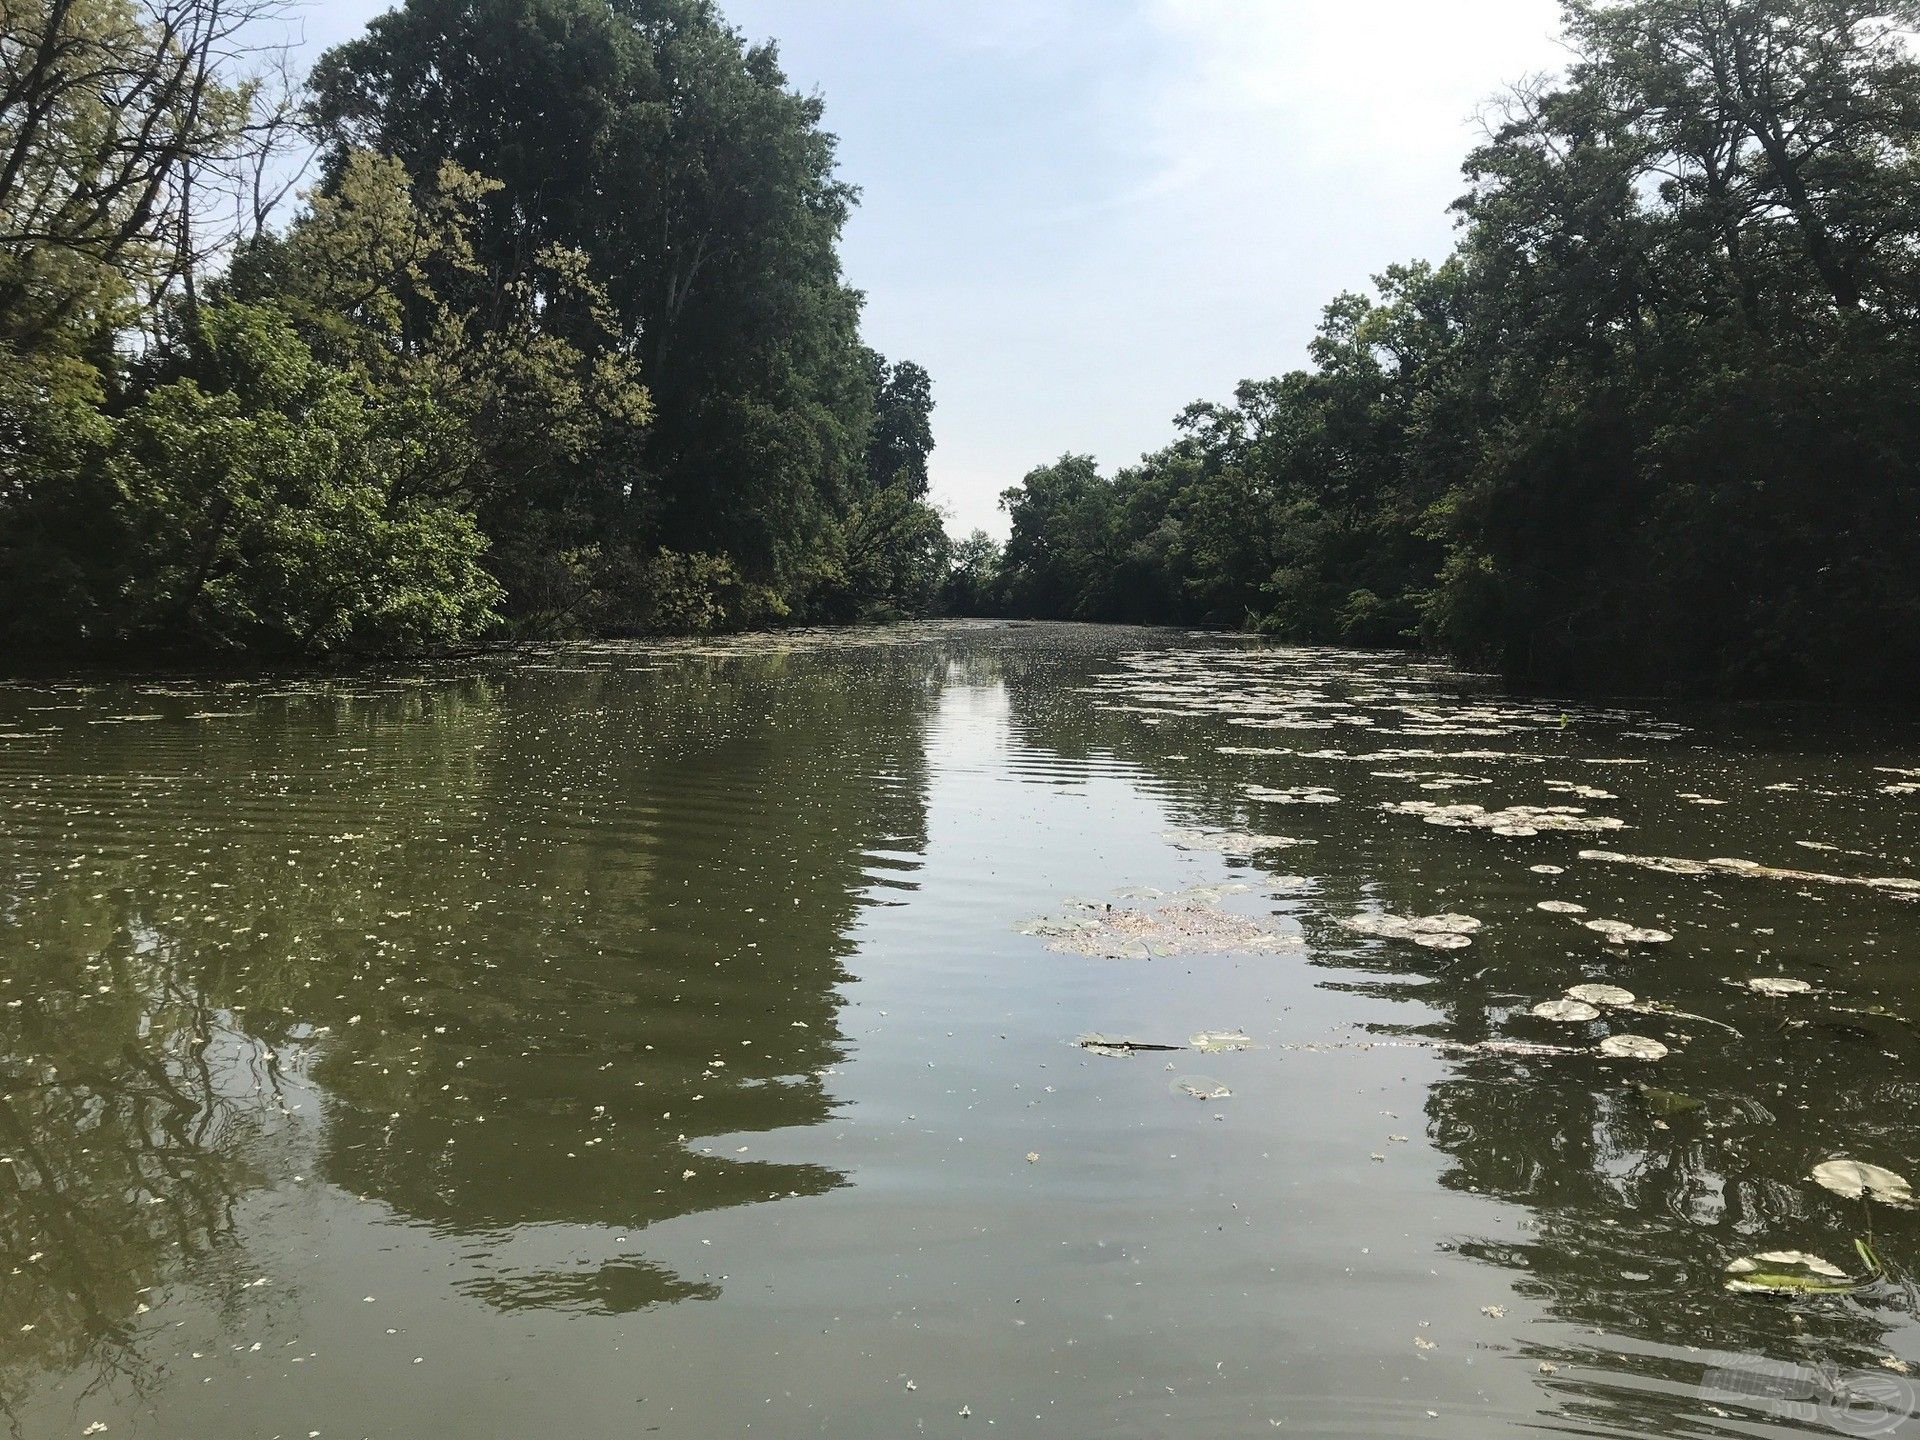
[700, 191]
[106, 109]
[693, 594]
[266, 503]
[536, 411]
[1650, 427]
[59, 527]
[585, 365]
[972, 584]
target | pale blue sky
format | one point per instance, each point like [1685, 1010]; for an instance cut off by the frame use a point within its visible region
[1080, 215]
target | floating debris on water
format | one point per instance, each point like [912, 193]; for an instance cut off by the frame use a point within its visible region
[1187, 928]
[1200, 1087]
[1122, 1045]
[1670, 865]
[1507, 1047]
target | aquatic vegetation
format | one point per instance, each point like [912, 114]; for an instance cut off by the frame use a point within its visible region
[1666, 1104]
[1855, 1179]
[1797, 1272]
[1515, 820]
[1219, 1042]
[1904, 887]
[1566, 1012]
[1522, 1048]
[1632, 1047]
[1435, 932]
[1303, 795]
[1778, 985]
[1610, 997]
[1618, 932]
[1186, 928]
[1228, 842]
[1121, 1046]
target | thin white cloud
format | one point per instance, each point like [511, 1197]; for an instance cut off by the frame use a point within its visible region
[1310, 91]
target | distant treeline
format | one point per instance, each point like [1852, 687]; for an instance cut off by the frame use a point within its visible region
[556, 342]
[1655, 424]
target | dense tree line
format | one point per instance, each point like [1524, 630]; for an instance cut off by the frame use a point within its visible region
[558, 340]
[1654, 423]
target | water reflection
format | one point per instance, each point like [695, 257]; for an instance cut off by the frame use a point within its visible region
[1632, 1204]
[483, 977]
[497, 951]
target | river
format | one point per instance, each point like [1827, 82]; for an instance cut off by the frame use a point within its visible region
[685, 1039]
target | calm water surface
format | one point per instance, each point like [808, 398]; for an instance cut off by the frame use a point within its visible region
[629, 1041]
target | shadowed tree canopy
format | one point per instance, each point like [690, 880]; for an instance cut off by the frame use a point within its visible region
[1652, 426]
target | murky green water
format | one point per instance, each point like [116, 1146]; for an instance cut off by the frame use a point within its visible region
[621, 1041]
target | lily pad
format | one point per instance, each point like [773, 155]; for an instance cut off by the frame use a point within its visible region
[1435, 932]
[1218, 1042]
[1228, 842]
[1786, 1272]
[1516, 820]
[1304, 795]
[1561, 907]
[1618, 932]
[1566, 1012]
[1632, 1047]
[1609, 997]
[1857, 1180]
[1778, 985]
[1797, 1272]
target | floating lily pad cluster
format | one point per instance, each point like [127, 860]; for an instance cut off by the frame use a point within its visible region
[1188, 927]
[1798, 1272]
[1901, 886]
[1619, 932]
[1435, 932]
[1515, 820]
[1229, 842]
[1322, 691]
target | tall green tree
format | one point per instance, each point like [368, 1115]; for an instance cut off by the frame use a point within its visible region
[650, 137]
